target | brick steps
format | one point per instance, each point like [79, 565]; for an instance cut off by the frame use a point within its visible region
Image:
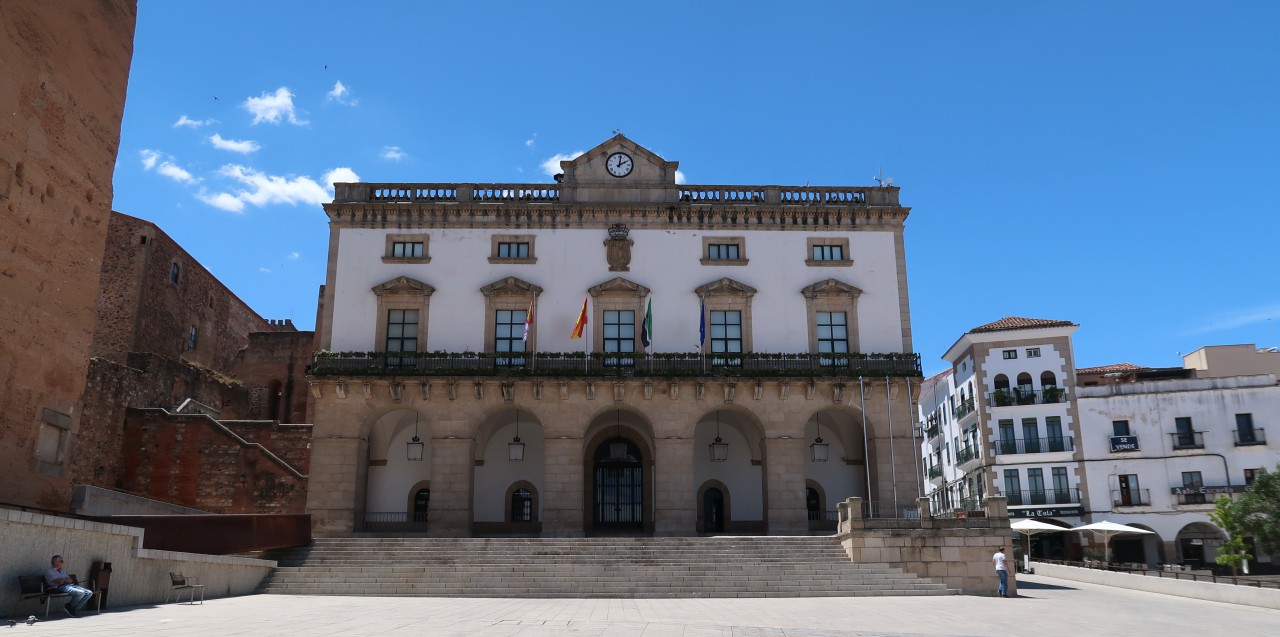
[586, 567]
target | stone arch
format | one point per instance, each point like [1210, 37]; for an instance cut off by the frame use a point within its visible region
[534, 509]
[411, 500]
[844, 474]
[728, 508]
[609, 425]
[388, 473]
[1146, 549]
[492, 471]
[743, 473]
[1197, 544]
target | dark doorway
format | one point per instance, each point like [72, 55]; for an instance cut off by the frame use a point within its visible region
[421, 500]
[713, 511]
[619, 487]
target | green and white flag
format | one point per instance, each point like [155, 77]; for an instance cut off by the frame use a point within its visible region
[646, 328]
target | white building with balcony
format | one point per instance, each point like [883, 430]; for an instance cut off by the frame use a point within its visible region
[611, 353]
[1162, 444]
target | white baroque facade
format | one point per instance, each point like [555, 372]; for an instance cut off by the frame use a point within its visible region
[779, 317]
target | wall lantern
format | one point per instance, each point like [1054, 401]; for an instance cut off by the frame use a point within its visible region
[818, 450]
[719, 449]
[415, 446]
[515, 448]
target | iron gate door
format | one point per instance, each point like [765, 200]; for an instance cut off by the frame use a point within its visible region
[619, 487]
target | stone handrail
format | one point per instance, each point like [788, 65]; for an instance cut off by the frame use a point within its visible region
[375, 192]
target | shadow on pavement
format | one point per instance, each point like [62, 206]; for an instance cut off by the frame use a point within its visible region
[1041, 586]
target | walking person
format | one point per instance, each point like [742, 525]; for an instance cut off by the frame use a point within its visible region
[1001, 571]
[56, 578]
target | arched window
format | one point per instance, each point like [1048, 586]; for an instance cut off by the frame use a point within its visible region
[421, 500]
[522, 505]
[1026, 393]
[1002, 381]
[1048, 379]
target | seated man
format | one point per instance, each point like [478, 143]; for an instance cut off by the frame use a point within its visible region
[57, 579]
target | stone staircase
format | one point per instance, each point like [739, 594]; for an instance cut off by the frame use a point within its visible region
[760, 566]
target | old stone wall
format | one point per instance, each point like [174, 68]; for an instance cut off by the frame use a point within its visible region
[274, 368]
[66, 68]
[194, 461]
[154, 293]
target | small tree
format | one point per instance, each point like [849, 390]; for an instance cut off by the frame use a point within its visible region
[1228, 514]
[1260, 510]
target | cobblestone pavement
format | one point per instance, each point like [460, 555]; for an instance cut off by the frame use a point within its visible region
[1047, 608]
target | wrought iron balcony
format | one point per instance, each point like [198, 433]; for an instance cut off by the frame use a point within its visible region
[1246, 437]
[1051, 496]
[1026, 396]
[1188, 440]
[935, 471]
[966, 454]
[1131, 498]
[964, 408]
[600, 364]
[1034, 445]
[932, 431]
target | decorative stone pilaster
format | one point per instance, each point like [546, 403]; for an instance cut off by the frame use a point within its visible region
[562, 488]
[675, 495]
[787, 512]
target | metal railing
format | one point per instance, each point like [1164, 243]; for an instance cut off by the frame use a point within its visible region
[1034, 445]
[950, 510]
[391, 521]
[1246, 437]
[823, 521]
[1189, 440]
[966, 454]
[964, 408]
[1172, 571]
[1026, 396]
[935, 471]
[1050, 496]
[1196, 498]
[932, 431]
[601, 364]
[890, 510]
[1131, 498]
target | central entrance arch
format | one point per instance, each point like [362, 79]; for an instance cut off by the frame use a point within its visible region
[618, 478]
[618, 484]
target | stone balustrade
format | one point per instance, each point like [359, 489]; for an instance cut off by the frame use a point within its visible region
[555, 193]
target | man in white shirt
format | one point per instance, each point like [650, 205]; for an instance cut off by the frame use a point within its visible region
[56, 578]
[1001, 571]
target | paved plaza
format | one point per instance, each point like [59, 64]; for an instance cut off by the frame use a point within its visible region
[1047, 608]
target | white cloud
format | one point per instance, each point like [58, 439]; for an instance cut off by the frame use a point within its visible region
[266, 270]
[262, 189]
[341, 94]
[236, 146]
[151, 160]
[222, 201]
[271, 107]
[294, 255]
[187, 122]
[1237, 319]
[529, 142]
[393, 153]
[679, 177]
[552, 164]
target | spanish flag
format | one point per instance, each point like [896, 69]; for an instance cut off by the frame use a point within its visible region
[582, 321]
[528, 321]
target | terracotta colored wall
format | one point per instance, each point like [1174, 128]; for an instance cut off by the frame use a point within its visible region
[65, 68]
[192, 461]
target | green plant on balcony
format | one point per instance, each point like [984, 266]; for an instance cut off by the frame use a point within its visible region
[1002, 398]
[1052, 394]
[1025, 396]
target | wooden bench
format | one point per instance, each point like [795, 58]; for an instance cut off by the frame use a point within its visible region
[179, 582]
[33, 588]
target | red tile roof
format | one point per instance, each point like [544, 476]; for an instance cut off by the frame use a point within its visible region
[1107, 369]
[1018, 323]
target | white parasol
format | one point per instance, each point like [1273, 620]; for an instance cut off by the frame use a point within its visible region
[1108, 529]
[1030, 527]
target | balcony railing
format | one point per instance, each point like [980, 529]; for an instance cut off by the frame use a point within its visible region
[935, 471]
[1051, 496]
[823, 521]
[1131, 498]
[393, 521]
[1189, 440]
[1026, 396]
[966, 454]
[964, 408]
[368, 192]
[932, 431]
[1034, 445]
[597, 364]
[1196, 498]
[1246, 437]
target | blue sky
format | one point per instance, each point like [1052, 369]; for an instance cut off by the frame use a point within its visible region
[1108, 163]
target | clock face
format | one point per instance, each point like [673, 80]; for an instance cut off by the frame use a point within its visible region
[619, 164]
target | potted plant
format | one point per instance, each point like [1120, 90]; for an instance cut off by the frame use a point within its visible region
[1002, 398]
[1052, 394]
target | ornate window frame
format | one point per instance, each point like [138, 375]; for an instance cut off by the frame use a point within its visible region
[509, 293]
[831, 295]
[726, 294]
[616, 294]
[402, 293]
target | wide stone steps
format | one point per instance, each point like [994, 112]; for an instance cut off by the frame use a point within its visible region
[586, 567]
